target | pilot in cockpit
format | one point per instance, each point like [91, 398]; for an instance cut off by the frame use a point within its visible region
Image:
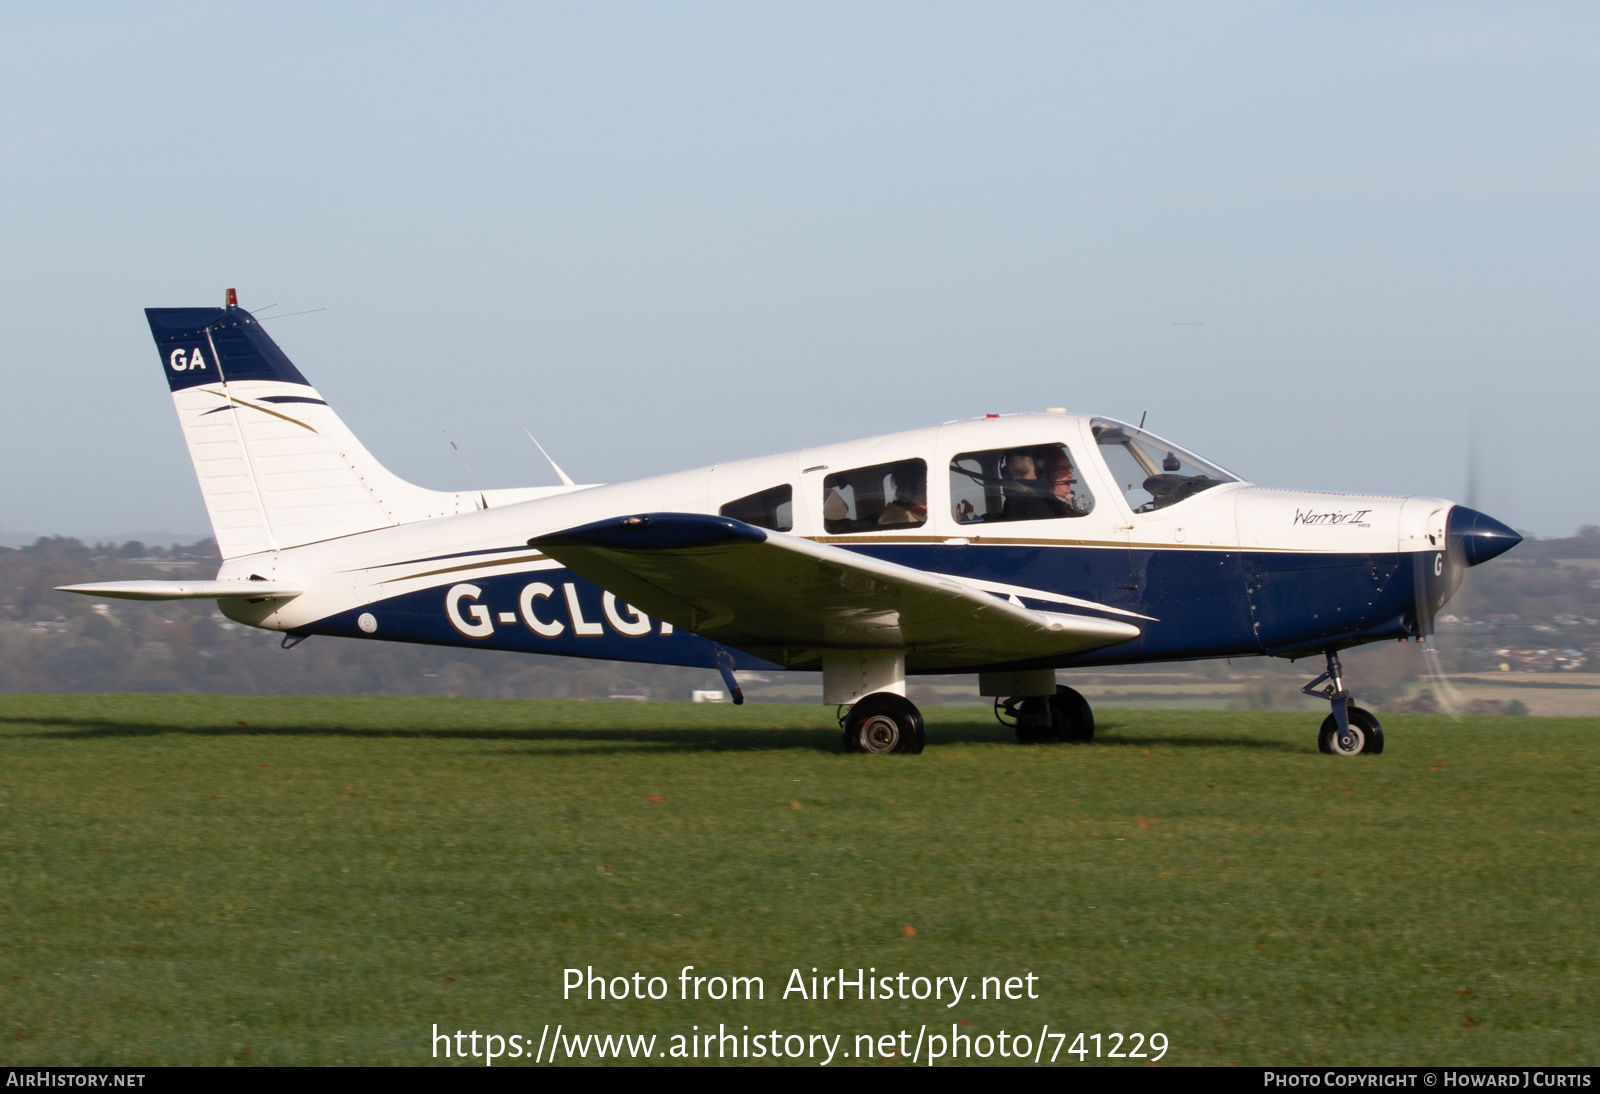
[1058, 479]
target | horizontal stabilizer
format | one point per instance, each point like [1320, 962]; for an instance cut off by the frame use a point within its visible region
[185, 590]
[786, 598]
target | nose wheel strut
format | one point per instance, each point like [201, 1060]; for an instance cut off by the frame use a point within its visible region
[1349, 730]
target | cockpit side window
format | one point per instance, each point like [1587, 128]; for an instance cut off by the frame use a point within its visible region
[1029, 482]
[1153, 473]
[876, 498]
[772, 508]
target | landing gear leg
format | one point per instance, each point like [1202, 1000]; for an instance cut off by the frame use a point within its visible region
[1349, 730]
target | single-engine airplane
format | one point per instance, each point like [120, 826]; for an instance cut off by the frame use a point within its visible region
[1008, 545]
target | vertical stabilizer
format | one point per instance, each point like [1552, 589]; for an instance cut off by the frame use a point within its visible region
[276, 466]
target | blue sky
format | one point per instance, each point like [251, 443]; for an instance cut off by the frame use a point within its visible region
[1314, 243]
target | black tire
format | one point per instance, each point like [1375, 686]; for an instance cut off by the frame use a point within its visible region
[883, 723]
[1072, 715]
[1071, 718]
[1374, 730]
[1364, 727]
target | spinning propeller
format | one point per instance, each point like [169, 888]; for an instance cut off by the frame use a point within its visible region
[1470, 538]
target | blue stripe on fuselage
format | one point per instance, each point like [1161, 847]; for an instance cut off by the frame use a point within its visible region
[423, 616]
[1204, 603]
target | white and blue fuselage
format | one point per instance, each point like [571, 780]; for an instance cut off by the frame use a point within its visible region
[1140, 549]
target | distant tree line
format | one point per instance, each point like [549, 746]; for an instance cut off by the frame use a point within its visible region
[61, 642]
[1585, 544]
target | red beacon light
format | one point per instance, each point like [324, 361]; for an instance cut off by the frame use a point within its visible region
[233, 298]
[991, 415]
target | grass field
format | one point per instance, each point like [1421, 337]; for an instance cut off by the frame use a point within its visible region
[200, 879]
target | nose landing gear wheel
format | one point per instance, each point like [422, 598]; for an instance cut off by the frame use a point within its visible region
[1362, 736]
[1365, 737]
[884, 722]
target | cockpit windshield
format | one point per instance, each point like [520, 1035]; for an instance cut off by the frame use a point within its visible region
[1151, 473]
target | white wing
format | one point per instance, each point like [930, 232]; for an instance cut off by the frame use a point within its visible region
[787, 599]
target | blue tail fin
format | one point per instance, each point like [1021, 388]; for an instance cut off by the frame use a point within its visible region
[277, 467]
[217, 345]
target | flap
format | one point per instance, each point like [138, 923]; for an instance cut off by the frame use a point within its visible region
[788, 599]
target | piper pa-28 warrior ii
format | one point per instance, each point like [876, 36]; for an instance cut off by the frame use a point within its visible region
[1009, 546]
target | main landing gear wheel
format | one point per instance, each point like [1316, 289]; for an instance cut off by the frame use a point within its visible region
[884, 722]
[1073, 714]
[1064, 716]
[1364, 739]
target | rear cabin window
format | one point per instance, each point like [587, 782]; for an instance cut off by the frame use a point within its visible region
[872, 499]
[1031, 482]
[772, 508]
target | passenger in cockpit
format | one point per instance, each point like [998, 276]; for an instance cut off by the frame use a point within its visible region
[910, 505]
[1022, 479]
[1029, 497]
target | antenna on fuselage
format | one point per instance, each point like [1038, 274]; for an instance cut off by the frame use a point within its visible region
[473, 474]
[566, 480]
[1142, 414]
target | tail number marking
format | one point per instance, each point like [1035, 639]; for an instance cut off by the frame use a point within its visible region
[180, 361]
[483, 627]
[538, 590]
[580, 625]
[475, 620]
[639, 624]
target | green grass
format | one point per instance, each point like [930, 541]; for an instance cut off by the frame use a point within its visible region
[325, 881]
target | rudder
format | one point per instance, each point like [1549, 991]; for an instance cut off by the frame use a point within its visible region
[277, 467]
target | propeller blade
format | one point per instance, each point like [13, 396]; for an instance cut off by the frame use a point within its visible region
[1445, 693]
